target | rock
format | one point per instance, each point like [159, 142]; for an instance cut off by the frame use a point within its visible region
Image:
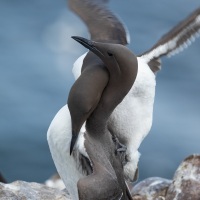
[154, 188]
[185, 186]
[186, 181]
[21, 190]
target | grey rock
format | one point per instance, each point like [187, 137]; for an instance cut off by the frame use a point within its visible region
[186, 181]
[21, 190]
[185, 186]
[154, 188]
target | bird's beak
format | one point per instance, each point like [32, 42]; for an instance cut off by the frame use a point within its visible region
[89, 44]
[86, 43]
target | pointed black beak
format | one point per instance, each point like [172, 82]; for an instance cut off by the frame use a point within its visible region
[89, 44]
[86, 43]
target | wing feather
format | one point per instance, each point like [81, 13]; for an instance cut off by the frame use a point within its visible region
[177, 39]
[102, 24]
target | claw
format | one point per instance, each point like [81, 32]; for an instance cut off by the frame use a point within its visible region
[119, 147]
[114, 138]
[120, 150]
[124, 162]
[123, 148]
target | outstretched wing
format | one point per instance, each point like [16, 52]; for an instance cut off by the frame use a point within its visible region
[102, 24]
[177, 39]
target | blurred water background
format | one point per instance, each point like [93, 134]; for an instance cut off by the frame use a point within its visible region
[36, 58]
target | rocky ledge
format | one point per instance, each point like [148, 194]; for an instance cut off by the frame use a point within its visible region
[184, 186]
[21, 190]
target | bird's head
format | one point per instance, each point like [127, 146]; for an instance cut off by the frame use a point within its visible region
[115, 56]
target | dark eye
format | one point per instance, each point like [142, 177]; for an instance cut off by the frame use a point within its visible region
[110, 54]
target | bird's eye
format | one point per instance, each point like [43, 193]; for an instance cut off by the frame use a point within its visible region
[110, 54]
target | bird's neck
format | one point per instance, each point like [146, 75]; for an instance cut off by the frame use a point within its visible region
[119, 84]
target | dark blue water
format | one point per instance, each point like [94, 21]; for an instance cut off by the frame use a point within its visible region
[36, 58]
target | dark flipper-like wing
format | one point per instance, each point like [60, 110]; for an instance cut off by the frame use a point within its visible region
[102, 24]
[178, 38]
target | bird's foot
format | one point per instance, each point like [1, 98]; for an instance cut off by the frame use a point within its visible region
[120, 150]
[119, 147]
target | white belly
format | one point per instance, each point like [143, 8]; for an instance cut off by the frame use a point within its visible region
[59, 137]
[132, 119]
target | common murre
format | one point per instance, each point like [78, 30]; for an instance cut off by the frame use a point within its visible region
[122, 67]
[138, 104]
[67, 128]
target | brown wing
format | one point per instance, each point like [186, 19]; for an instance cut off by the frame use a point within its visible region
[102, 24]
[178, 38]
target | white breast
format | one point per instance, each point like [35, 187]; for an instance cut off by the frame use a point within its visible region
[59, 137]
[132, 119]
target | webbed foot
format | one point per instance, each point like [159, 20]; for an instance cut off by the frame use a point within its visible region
[120, 150]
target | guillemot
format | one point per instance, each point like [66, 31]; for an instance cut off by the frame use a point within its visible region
[72, 168]
[137, 106]
[92, 64]
[99, 144]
